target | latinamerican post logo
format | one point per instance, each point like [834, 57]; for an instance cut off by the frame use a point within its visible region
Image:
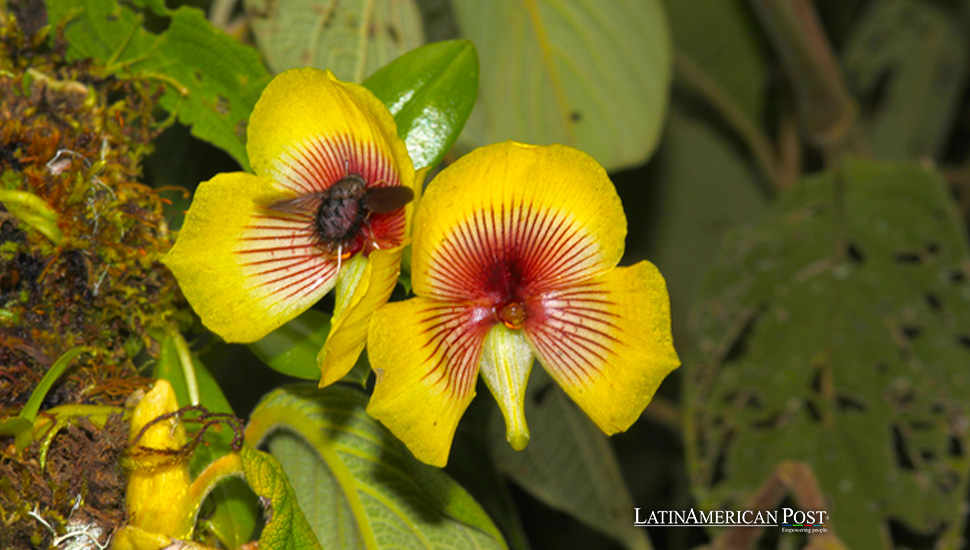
[788, 519]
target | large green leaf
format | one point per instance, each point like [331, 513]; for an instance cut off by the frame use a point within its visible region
[569, 463]
[430, 91]
[236, 513]
[721, 37]
[352, 38]
[594, 75]
[359, 486]
[909, 60]
[838, 333]
[211, 80]
[700, 189]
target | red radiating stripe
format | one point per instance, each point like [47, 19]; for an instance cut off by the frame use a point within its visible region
[278, 268]
[292, 275]
[271, 249]
[314, 283]
[306, 237]
[286, 230]
[326, 159]
[454, 344]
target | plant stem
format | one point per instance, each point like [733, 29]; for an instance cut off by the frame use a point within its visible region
[188, 367]
[826, 109]
[221, 12]
[692, 76]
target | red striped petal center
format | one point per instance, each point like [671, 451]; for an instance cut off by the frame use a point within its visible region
[505, 258]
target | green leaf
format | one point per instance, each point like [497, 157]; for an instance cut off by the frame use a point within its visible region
[431, 92]
[32, 407]
[236, 512]
[836, 333]
[910, 59]
[286, 528]
[701, 188]
[292, 349]
[569, 463]
[352, 38]
[367, 491]
[170, 367]
[22, 425]
[209, 79]
[593, 75]
[721, 37]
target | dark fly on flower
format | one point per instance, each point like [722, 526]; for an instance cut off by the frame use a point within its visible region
[343, 209]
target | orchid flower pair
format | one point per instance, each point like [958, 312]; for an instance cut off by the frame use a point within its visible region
[513, 257]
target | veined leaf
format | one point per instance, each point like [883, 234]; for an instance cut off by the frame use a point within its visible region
[209, 79]
[593, 75]
[836, 334]
[352, 38]
[569, 463]
[431, 92]
[286, 528]
[360, 487]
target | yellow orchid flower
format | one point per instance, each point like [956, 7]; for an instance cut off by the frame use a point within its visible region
[514, 257]
[328, 206]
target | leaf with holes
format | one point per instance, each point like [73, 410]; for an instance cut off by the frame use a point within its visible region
[360, 487]
[836, 333]
[908, 60]
[569, 463]
[593, 75]
[352, 38]
[209, 79]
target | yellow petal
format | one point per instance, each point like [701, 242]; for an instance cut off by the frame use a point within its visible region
[551, 212]
[309, 130]
[506, 364]
[157, 498]
[363, 286]
[607, 342]
[426, 356]
[247, 269]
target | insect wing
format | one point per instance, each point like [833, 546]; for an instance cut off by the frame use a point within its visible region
[300, 205]
[388, 199]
